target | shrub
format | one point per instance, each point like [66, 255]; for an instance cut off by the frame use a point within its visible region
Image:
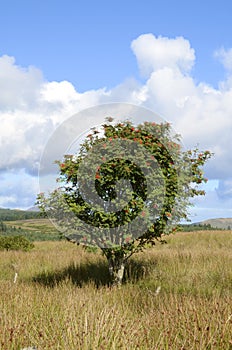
[15, 243]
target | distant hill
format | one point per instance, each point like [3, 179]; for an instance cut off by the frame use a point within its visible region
[221, 223]
[33, 213]
[15, 214]
[210, 224]
[34, 208]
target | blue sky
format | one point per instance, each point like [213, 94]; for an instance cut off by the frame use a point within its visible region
[88, 42]
[59, 57]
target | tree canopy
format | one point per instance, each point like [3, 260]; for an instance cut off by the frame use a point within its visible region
[127, 187]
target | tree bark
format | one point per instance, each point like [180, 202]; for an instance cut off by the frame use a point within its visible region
[116, 264]
[116, 270]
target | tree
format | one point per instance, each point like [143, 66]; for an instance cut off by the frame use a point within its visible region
[127, 187]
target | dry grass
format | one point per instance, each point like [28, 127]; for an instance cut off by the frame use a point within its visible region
[62, 301]
[31, 224]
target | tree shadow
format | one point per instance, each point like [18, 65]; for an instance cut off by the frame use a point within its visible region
[79, 275]
[91, 272]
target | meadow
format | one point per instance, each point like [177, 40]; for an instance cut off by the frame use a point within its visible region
[33, 229]
[175, 296]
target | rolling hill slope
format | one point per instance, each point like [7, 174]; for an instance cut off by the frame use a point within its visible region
[221, 223]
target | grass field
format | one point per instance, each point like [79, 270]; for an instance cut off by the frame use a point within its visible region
[177, 296]
[34, 229]
[31, 224]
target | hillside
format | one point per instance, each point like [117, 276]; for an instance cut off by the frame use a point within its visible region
[33, 229]
[30, 224]
[27, 223]
[15, 214]
[221, 223]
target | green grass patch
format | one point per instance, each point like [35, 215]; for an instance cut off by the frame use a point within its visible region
[32, 229]
[176, 296]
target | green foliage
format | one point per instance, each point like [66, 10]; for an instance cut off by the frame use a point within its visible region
[15, 243]
[12, 214]
[33, 230]
[149, 146]
[3, 227]
[198, 227]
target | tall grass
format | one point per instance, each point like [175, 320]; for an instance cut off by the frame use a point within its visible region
[176, 296]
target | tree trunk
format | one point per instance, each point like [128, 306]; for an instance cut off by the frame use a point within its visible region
[116, 270]
[116, 263]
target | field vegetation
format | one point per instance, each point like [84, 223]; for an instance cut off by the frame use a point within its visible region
[176, 296]
[14, 214]
[39, 229]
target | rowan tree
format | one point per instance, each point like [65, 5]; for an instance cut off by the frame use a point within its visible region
[127, 187]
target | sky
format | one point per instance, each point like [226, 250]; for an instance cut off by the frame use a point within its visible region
[60, 57]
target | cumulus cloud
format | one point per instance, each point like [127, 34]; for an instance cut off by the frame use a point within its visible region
[19, 86]
[31, 108]
[225, 56]
[154, 53]
[201, 113]
[62, 100]
[18, 189]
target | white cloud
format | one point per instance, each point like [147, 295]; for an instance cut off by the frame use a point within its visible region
[18, 189]
[212, 205]
[8, 200]
[19, 86]
[154, 53]
[199, 112]
[225, 56]
[22, 138]
[63, 100]
[31, 108]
